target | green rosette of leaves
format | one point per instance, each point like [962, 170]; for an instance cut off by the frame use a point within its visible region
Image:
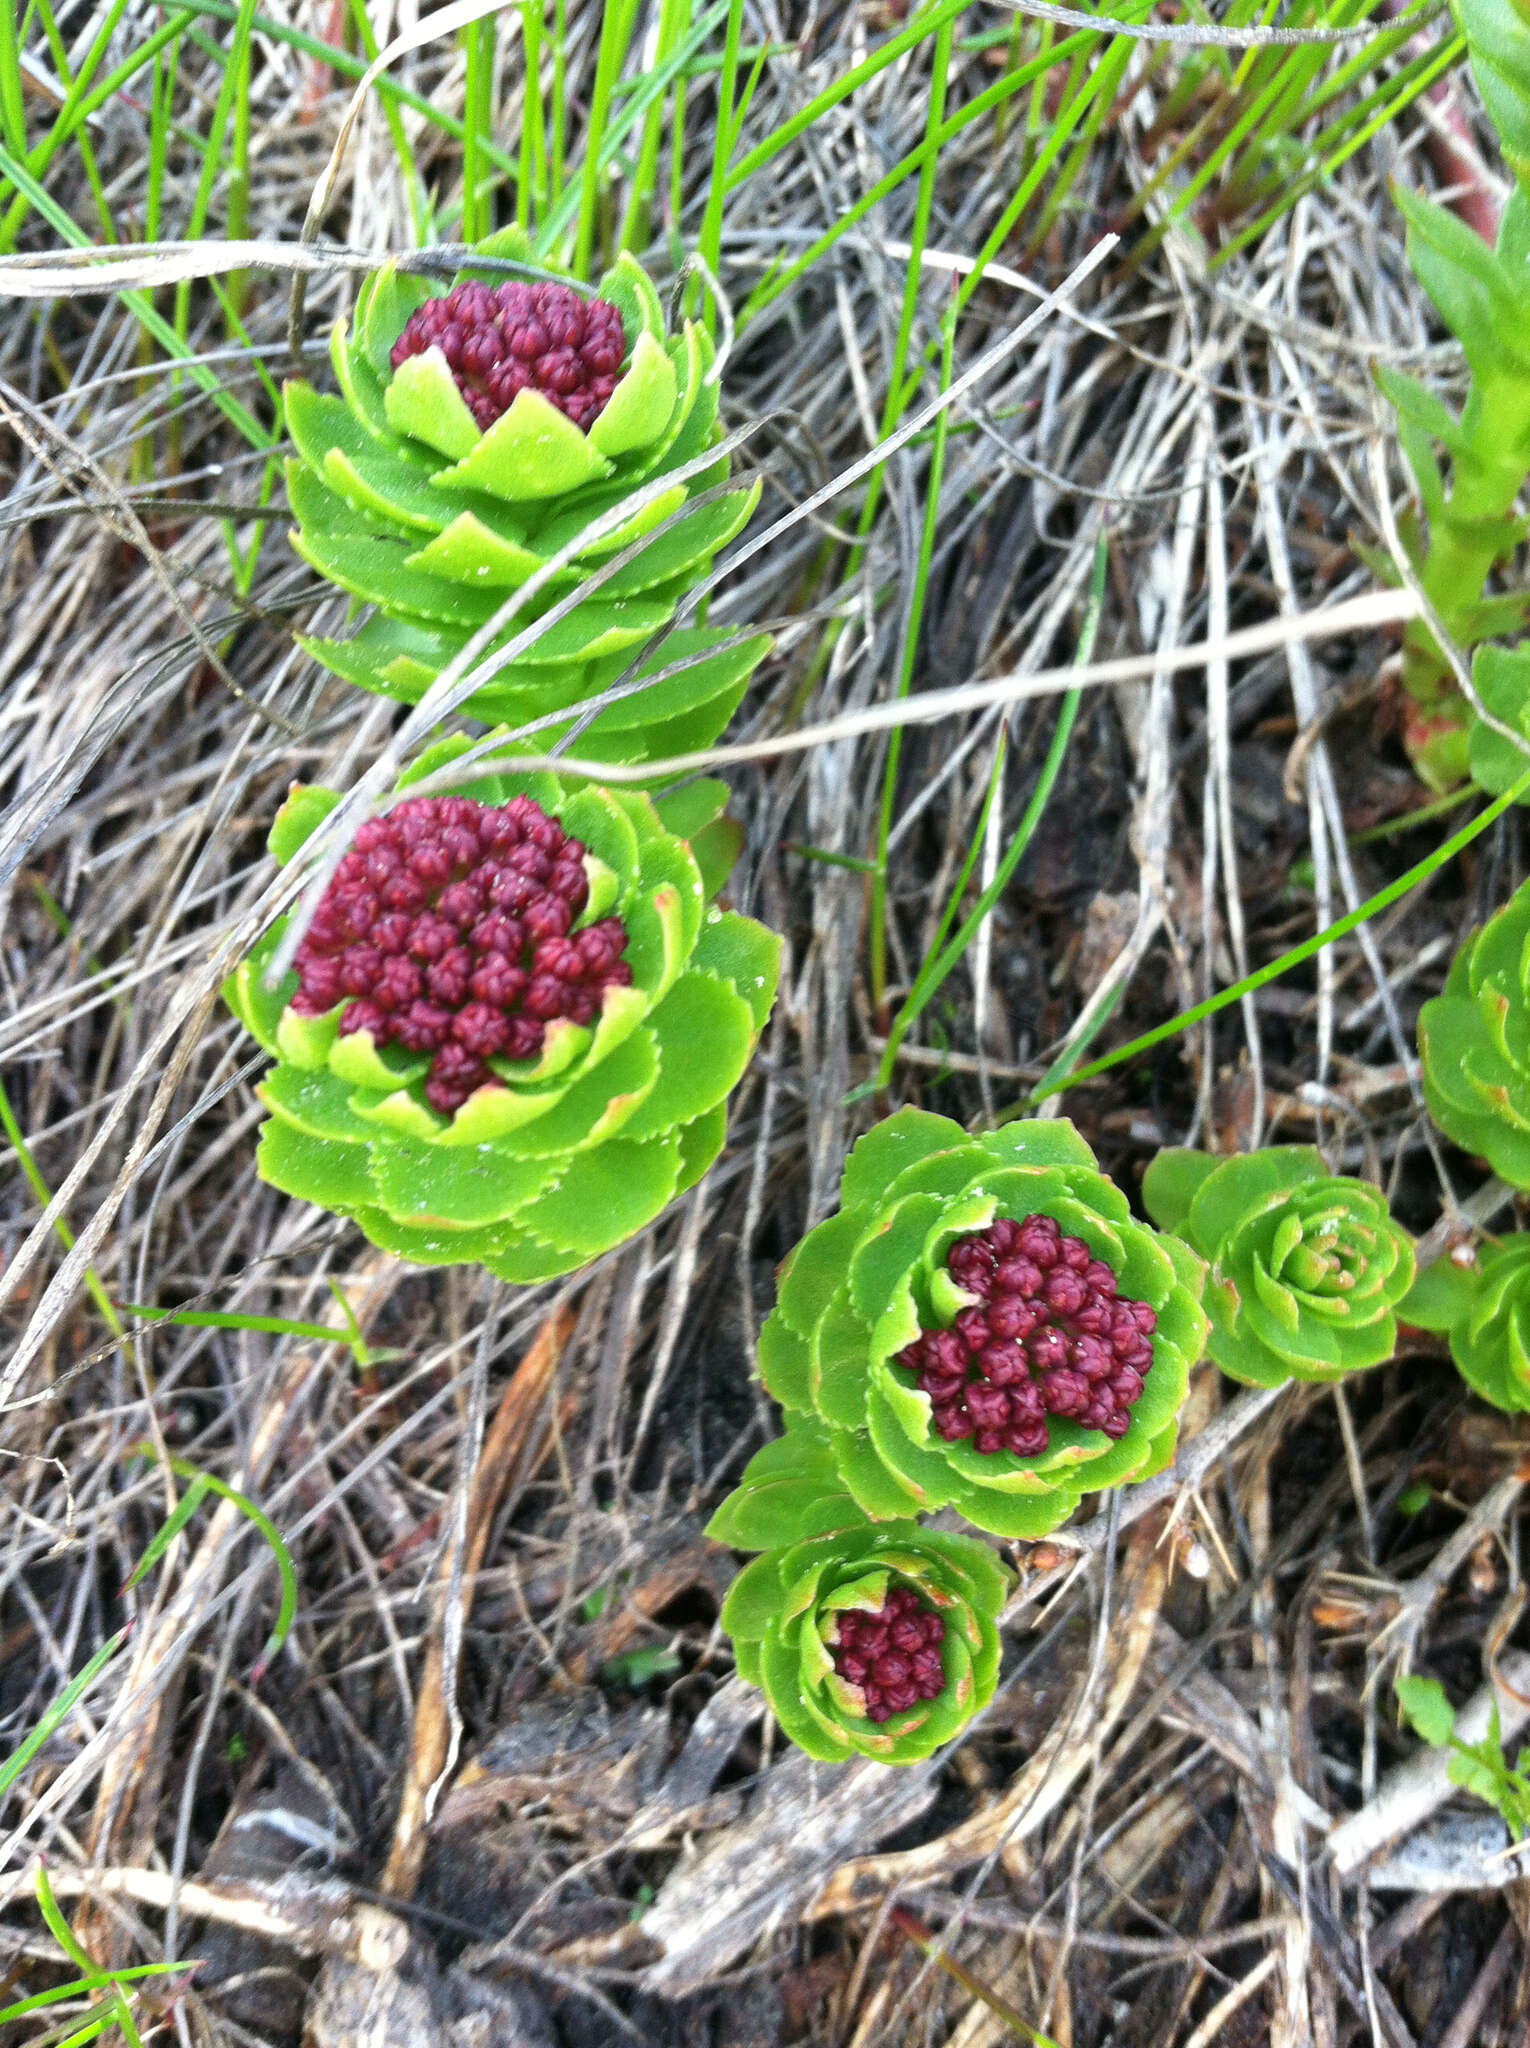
[1483, 1310]
[557, 1157]
[873, 1281]
[841, 1630]
[1474, 1044]
[1307, 1268]
[433, 522]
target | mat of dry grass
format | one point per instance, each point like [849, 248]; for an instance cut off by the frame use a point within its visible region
[499, 1784]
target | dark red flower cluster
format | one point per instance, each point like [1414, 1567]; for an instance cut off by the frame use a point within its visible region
[449, 925]
[502, 339]
[893, 1655]
[1048, 1335]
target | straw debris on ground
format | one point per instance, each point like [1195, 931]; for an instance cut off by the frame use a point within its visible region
[499, 1785]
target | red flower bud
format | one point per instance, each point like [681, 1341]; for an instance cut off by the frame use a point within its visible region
[891, 1653]
[445, 974]
[1049, 1335]
[499, 341]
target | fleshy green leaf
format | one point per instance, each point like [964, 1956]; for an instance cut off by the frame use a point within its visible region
[462, 1188]
[1440, 1297]
[532, 452]
[258, 1008]
[705, 1035]
[1467, 282]
[383, 307]
[889, 1149]
[1038, 1141]
[745, 953]
[313, 1169]
[1170, 1183]
[687, 808]
[1427, 1708]
[785, 1364]
[607, 1195]
[701, 1141]
[639, 408]
[754, 1599]
[421, 400]
[298, 819]
[628, 287]
[316, 1104]
[470, 551]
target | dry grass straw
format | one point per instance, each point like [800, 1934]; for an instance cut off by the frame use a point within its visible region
[1134, 1838]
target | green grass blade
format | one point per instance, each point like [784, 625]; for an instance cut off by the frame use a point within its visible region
[923, 24]
[143, 306]
[59, 1711]
[180, 1515]
[118, 2012]
[40, 1188]
[1420, 872]
[13, 117]
[96, 1981]
[913, 620]
[80, 103]
[617, 23]
[221, 1319]
[637, 228]
[620, 125]
[915, 1931]
[936, 970]
[710, 244]
[202, 1483]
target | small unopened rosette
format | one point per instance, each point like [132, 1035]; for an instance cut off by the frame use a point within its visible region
[876, 1641]
[1474, 1043]
[1484, 1311]
[513, 1020]
[1307, 1268]
[486, 426]
[984, 1326]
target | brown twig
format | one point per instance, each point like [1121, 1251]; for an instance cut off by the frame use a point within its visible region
[506, 1437]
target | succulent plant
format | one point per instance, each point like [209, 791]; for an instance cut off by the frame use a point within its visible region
[984, 1326]
[513, 1019]
[1483, 1308]
[1474, 1044]
[484, 428]
[1470, 525]
[1306, 1268]
[870, 1640]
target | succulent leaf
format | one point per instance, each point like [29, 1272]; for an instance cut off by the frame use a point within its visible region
[1501, 677]
[1484, 1311]
[984, 1326]
[487, 427]
[876, 1640]
[1474, 1044]
[513, 1021]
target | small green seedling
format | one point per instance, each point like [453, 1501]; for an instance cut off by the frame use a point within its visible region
[1480, 1768]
